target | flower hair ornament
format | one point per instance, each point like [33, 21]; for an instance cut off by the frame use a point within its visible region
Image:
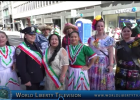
[94, 22]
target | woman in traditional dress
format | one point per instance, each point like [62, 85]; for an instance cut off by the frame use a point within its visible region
[127, 75]
[101, 74]
[77, 76]
[56, 63]
[68, 28]
[8, 76]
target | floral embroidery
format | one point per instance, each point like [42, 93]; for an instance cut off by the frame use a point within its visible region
[109, 42]
[118, 70]
[96, 43]
[135, 44]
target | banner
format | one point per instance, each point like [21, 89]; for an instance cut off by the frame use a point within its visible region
[78, 95]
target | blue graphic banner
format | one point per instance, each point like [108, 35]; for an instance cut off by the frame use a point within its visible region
[81, 95]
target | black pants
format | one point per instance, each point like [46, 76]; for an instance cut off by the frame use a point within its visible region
[35, 86]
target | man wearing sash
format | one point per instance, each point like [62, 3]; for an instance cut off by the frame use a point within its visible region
[29, 60]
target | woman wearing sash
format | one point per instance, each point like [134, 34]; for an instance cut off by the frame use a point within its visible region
[77, 76]
[56, 63]
[8, 76]
[29, 60]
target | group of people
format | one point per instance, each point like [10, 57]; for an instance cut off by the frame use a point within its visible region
[71, 65]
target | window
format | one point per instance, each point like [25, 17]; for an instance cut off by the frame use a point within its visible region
[111, 21]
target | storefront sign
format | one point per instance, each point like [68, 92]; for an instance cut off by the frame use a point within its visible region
[126, 10]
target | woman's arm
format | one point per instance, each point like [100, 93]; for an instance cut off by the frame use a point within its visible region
[64, 64]
[29, 22]
[111, 61]
[110, 52]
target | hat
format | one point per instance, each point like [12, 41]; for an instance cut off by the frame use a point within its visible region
[68, 26]
[135, 31]
[44, 27]
[94, 22]
[29, 30]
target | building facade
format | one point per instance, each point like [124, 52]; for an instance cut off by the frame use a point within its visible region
[121, 11]
[6, 19]
[60, 12]
[53, 12]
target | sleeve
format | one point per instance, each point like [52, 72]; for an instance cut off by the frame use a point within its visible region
[109, 42]
[64, 57]
[21, 65]
[89, 41]
[89, 52]
[13, 48]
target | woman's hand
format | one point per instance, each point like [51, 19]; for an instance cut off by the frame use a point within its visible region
[28, 84]
[13, 66]
[110, 67]
[85, 68]
[61, 79]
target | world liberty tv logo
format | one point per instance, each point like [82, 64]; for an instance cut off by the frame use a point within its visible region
[5, 93]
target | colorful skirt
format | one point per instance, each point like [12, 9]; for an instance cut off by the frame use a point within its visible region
[99, 78]
[9, 78]
[77, 79]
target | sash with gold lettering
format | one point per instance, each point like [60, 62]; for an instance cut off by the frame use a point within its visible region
[51, 72]
[33, 54]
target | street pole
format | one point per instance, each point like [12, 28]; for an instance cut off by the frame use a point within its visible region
[12, 16]
[2, 14]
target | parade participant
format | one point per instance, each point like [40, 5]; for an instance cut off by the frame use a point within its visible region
[136, 31]
[127, 76]
[45, 30]
[101, 74]
[56, 61]
[117, 34]
[29, 60]
[40, 37]
[77, 72]
[8, 76]
[67, 30]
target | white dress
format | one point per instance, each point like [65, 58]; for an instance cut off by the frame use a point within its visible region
[60, 60]
[8, 77]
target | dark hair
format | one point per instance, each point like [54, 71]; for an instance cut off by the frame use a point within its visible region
[74, 32]
[124, 28]
[101, 20]
[56, 50]
[7, 43]
[127, 27]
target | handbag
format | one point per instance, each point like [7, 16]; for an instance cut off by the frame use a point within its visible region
[128, 50]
